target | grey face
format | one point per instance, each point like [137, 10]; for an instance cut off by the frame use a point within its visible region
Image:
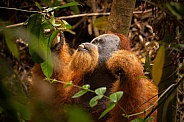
[107, 44]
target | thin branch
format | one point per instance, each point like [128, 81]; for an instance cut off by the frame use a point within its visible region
[16, 25]
[71, 16]
[82, 15]
[17, 9]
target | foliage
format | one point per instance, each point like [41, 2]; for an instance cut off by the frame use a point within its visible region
[11, 43]
[14, 103]
[113, 98]
[142, 120]
[157, 68]
[169, 28]
[13, 100]
[39, 42]
[101, 23]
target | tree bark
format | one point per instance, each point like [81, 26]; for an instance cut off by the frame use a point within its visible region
[120, 16]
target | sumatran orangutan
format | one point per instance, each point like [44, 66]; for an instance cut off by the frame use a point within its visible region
[104, 62]
[138, 93]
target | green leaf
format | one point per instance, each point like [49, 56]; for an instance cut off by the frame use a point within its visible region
[138, 120]
[33, 21]
[37, 44]
[47, 65]
[100, 91]
[47, 68]
[101, 23]
[66, 25]
[80, 93]
[149, 119]
[63, 6]
[74, 8]
[115, 97]
[110, 106]
[11, 43]
[48, 23]
[157, 68]
[21, 110]
[86, 86]
[94, 101]
[53, 36]
[70, 83]
[38, 5]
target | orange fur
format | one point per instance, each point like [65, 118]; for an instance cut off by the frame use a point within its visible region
[83, 61]
[136, 90]
[67, 68]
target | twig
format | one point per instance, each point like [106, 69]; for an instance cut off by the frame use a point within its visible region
[71, 16]
[17, 9]
[15, 25]
[82, 15]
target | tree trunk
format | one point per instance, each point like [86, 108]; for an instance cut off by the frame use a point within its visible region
[120, 16]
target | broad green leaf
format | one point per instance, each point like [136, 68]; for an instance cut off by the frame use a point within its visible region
[47, 65]
[74, 8]
[11, 43]
[138, 120]
[94, 101]
[100, 91]
[21, 110]
[86, 86]
[157, 68]
[149, 119]
[53, 36]
[115, 97]
[68, 84]
[47, 68]
[37, 44]
[80, 93]
[63, 6]
[110, 106]
[47, 25]
[101, 23]
[32, 21]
